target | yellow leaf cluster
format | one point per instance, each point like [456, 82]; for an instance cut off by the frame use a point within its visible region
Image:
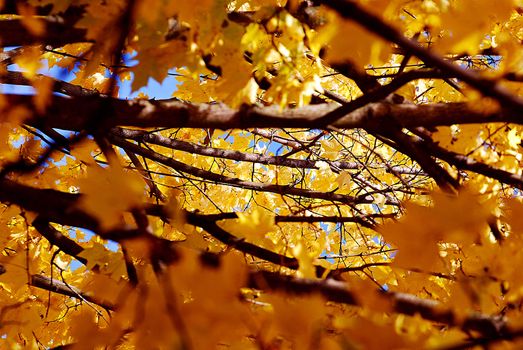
[108, 192]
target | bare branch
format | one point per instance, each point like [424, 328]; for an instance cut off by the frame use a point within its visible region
[14, 33]
[148, 137]
[60, 287]
[235, 182]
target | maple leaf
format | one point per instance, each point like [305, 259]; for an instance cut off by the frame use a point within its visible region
[465, 29]
[297, 319]
[107, 193]
[347, 39]
[424, 228]
[30, 62]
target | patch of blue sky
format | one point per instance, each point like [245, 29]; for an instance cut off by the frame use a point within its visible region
[157, 90]
[377, 209]
[325, 227]
[57, 72]
[88, 235]
[271, 146]
[18, 142]
[17, 89]
[75, 265]
[153, 89]
[227, 137]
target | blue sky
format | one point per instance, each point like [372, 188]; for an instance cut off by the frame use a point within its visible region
[154, 89]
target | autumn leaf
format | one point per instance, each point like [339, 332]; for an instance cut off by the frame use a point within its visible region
[358, 44]
[298, 319]
[33, 24]
[108, 192]
[43, 88]
[465, 30]
[424, 229]
[29, 62]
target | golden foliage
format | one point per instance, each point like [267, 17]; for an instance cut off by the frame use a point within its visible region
[120, 236]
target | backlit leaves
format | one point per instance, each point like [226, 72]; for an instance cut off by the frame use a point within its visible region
[464, 29]
[349, 41]
[122, 228]
[29, 62]
[426, 229]
[107, 200]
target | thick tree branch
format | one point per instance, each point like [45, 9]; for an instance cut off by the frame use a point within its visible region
[406, 145]
[17, 78]
[59, 207]
[333, 291]
[14, 33]
[76, 113]
[336, 291]
[463, 162]
[63, 208]
[58, 239]
[376, 94]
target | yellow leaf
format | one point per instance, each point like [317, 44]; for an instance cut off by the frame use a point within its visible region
[105, 288]
[189, 10]
[368, 296]
[86, 331]
[349, 41]
[363, 331]
[423, 228]
[95, 255]
[306, 261]
[514, 140]
[344, 180]
[257, 223]
[255, 226]
[16, 273]
[29, 61]
[155, 62]
[465, 29]
[44, 90]
[108, 192]
[298, 319]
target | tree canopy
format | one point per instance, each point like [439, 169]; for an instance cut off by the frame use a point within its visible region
[326, 174]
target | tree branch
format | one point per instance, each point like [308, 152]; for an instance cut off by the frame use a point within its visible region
[351, 10]
[407, 304]
[492, 327]
[55, 286]
[14, 33]
[148, 137]
[56, 238]
[76, 114]
[235, 182]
